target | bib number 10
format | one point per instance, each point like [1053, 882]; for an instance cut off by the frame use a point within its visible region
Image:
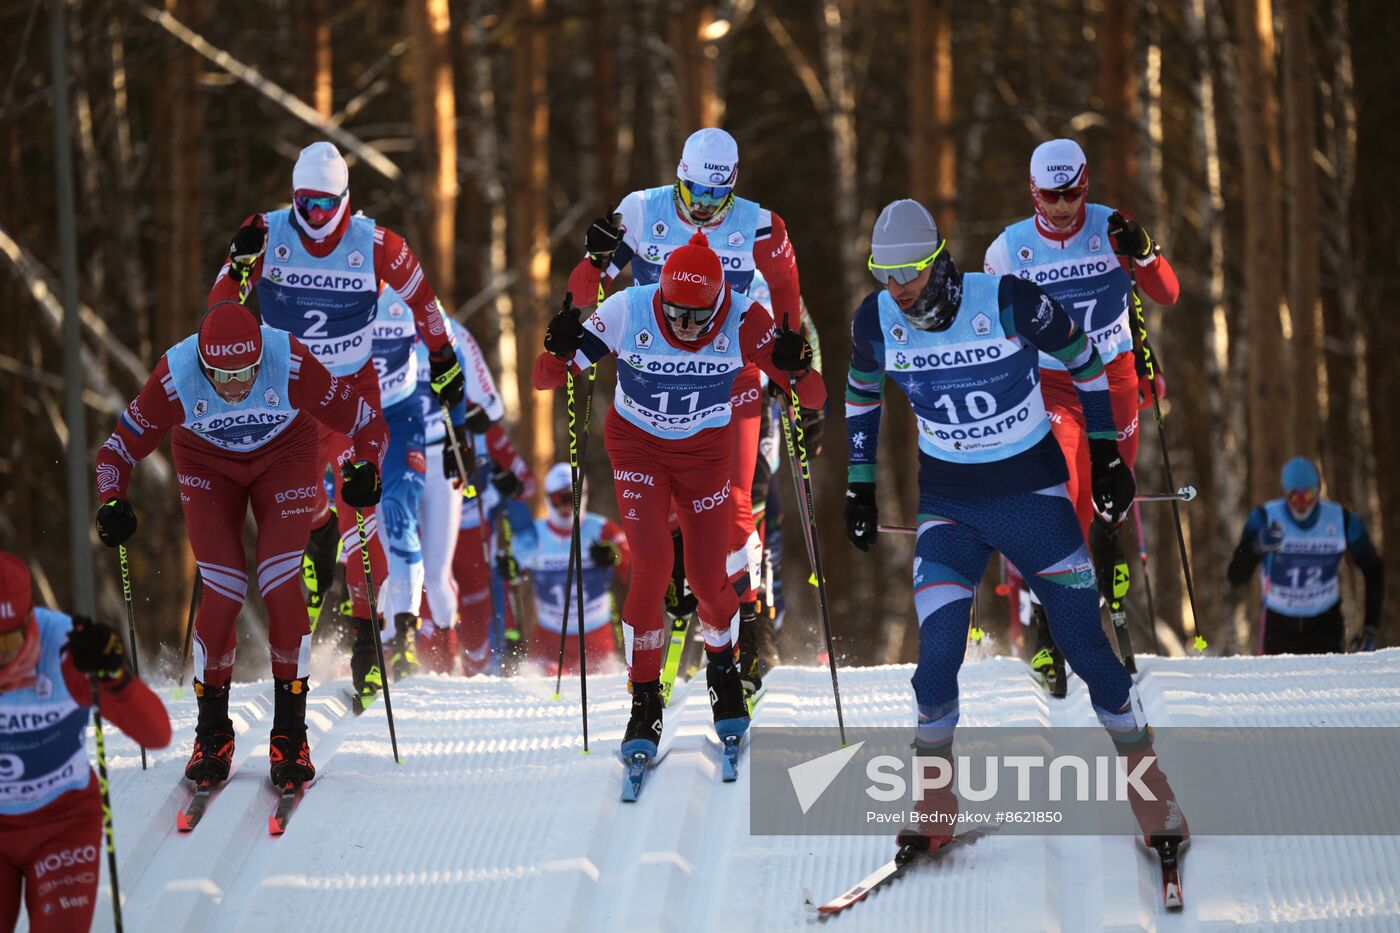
[977, 405]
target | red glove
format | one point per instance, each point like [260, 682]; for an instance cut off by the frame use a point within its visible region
[1145, 390]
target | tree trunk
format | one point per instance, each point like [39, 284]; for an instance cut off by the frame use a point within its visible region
[932, 144]
[1300, 192]
[1118, 80]
[604, 59]
[435, 130]
[529, 230]
[1375, 32]
[1257, 116]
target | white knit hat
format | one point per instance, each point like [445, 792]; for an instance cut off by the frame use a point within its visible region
[710, 157]
[320, 167]
[1059, 163]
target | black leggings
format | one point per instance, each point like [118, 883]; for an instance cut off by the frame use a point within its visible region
[1319, 634]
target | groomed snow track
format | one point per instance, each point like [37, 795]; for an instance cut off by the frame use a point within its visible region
[496, 820]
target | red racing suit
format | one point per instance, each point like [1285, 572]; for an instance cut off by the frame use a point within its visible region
[775, 259]
[50, 858]
[1158, 281]
[694, 471]
[395, 265]
[279, 479]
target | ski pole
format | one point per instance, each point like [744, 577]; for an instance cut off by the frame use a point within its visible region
[1184, 494]
[514, 648]
[797, 455]
[195, 594]
[1198, 641]
[1146, 579]
[578, 449]
[105, 789]
[373, 620]
[130, 622]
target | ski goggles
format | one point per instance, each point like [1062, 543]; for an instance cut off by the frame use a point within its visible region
[1301, 501]
[902, 272]
[679, 312]
[1056, 195]
[225, 376]
[694, 194]
[562, 499]
[320, 202]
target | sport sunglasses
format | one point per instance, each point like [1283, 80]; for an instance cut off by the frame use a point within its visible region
[903, 272]
[225, 376]
[1056, 195]
[677, 312]
[705, 195]
[324, 202]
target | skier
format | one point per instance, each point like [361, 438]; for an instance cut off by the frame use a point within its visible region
[1300, 541]
[680, 346]
[243, 400]
[501, 475]
[50, 803]
[545, 552]
[1080, 254]
[991, 476]
[317, 269]
[443, 502]
[645, 228]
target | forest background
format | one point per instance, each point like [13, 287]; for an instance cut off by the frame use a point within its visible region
[1257, 141]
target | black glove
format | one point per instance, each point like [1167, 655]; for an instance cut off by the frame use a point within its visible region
[1365, 640]
[812, 420]
[602, 554]
[680, 602]
[447, 382]
[862, 515]
[96, 649]
[1269, 540]
[791, 351]
[507, 483]
[564, 335]
[1113, 484]
[507, 567]
[248, 244]
[601, 241]
[1128, 237]
[116, 522]
[449, 462]
[478, 422]
[360, 486]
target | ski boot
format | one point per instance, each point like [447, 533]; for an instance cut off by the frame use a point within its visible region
[438, 646]
[288, 753]
[403, 649]
[937, 811]
[726, 694]
[768, 655]
[644, 728]
[318, 564]
[1047, 662]
[750, 665]
[364, 664]
[1160, 818]
[213, 736]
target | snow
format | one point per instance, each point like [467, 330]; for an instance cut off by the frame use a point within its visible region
[496, 820]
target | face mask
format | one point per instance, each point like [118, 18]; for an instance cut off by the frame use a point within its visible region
[938, 303]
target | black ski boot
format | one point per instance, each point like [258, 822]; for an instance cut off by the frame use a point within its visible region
[644, 728]
[318, 564]
[1111, 570]
[1047, 662]
[750, 667]
[403, 658]
[364, 664]
[213, 736]
[288, 752]
[768, 655]
[726, 694]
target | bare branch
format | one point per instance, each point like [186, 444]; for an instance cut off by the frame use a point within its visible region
[273, 92]
[805, 72]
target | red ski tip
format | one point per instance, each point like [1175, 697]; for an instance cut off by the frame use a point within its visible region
[275, 826]
[182, 822]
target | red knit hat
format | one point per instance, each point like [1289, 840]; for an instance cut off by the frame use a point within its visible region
[692, 276]
[16, 598]
[229, 337]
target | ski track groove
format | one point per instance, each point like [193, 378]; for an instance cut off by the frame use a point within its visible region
[497, 821]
